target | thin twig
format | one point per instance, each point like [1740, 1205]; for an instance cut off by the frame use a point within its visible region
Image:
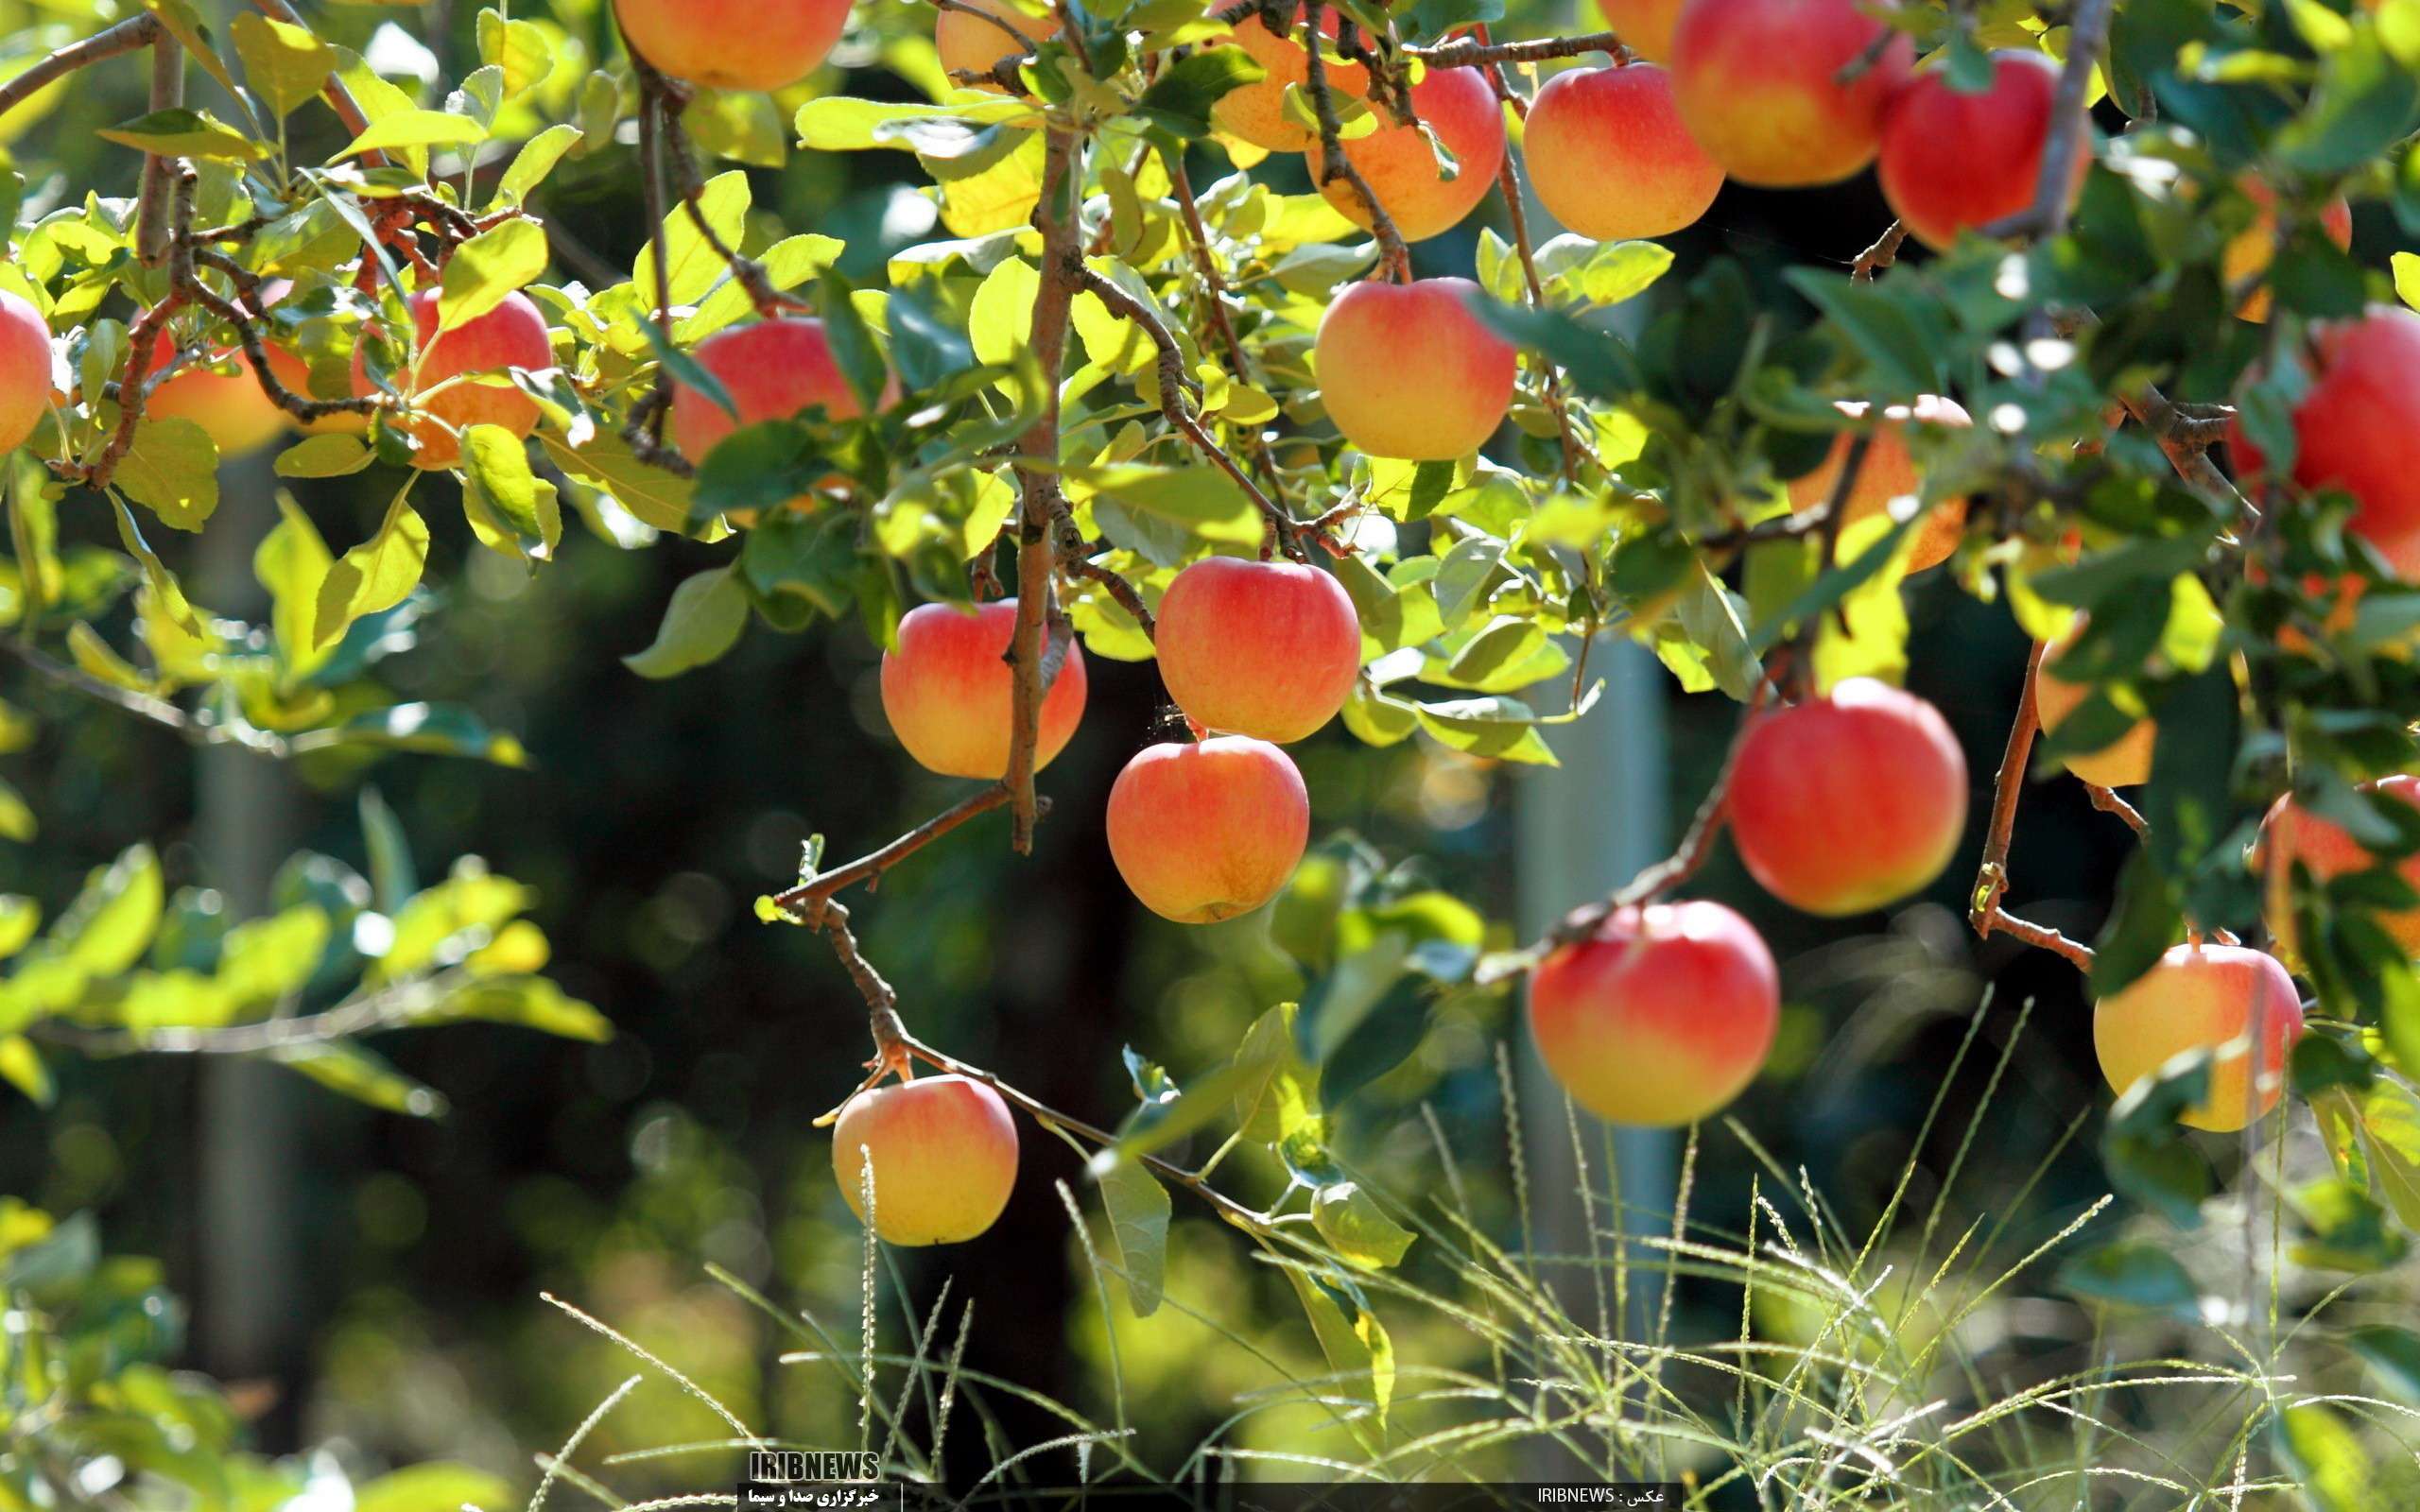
[1214, 299]
[807, 901]
[1508, 181]
[388, 1008]
[1984, 912]
[2087, 37]
[146, 706]
[1394, 258]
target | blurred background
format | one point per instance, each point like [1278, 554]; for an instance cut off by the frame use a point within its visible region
[374, 1279]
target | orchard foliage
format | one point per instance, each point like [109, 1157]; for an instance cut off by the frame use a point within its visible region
[1131, 347]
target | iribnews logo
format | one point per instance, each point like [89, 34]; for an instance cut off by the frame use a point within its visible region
[780, 1465]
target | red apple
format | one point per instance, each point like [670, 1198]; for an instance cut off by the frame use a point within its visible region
[2358, 425]
[1408, 370]
[221, 394]
[749, 44]
[1849, 802]
[513, 335]
[950, 695]
[1610, 159]
[24, 369]
[1758, 83]
[2328, 850]
[1262, 649]
[969, 43]
[2250, 252]
[773, 369]
[1889, 475]
[2125, 762]
[1659, 1017]
[1256, 113]
[1645, 26]
[2197, 997]
[1403, 170]
[1205, 831]
[1953, 161]
[945, 1156]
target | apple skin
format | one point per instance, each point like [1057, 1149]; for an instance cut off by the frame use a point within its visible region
[232, 405]
[2202, 995]
[24, 369]
[1848, 803]
[1256, 113]
[1610, 159]
[951, 696]
[1890, 472]
[1644, 26]
[945, 1153]
[1207, 831]
[734, 44]
[1952, 163]
[2252, 249]
[1262, 649]
[1408, 370]
[2327, 851]
[1659, 1017]
[513, 335]
[773, 369]
[972, 44]
[1756, 83]
[1401, 168]
[2358, 425]
[2124, 762]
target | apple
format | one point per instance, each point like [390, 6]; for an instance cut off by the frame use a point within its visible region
[2357, 426]
[1849, 802]
[1890, 474]
[773, 369]
[221, 394]
[1661, 1017]
[2205, 996]
[970, 44]
[24, 369]
[1256, 113]
[1408, 370]
[1953, 161]
[513, 335]
[945, 1156]
[1262, 649]
[746, 45]
[1206, 831]
[2124, 762]
[2328, 850]
[1758, 84]
[951, 696]
[2248, 254]
[1645, 26]
[1609, 157]
[1403, 170]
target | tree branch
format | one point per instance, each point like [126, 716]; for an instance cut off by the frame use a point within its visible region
[126, 37]
[388, 1008]
[147, 706]
[1507, 182]
[1486, 52]
[155, 234]
[1394, 258]
[2087, 37]
[807, 901]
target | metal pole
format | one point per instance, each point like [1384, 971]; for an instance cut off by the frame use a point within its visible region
[246, 820]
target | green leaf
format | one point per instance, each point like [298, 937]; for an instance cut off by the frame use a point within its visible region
[2133, 1274]
[2324, 1455]
[357, 1074]
[1138, 1227]
[185, 133]
[510, 506]
[442, 730]
[18, 917]
[331, 455]
[1278, 1091]
[658, 498]
[292, 562]
[488, 268]
[414, 129]
[1904, 355]
[435, 1488]
[838, 124]
[373, 575]
[2395, 1354]
[287, 66]
[702, 622]
[110, 924]
[534, 162]
[2407, 278]
[1357, 1229]
[1354, 1345]
[530, 1003]
[21, 1064]
[172, 470]
[1180, 98]
[262, 961]
[1200, 499]
[691, 265]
